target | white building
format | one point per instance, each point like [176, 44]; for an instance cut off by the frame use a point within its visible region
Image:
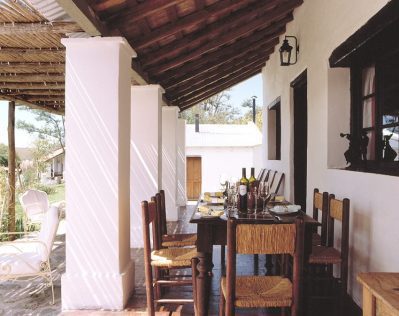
[218, 149]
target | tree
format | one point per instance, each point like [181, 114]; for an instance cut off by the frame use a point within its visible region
[215, 110]
[52, 127]
[247, 117]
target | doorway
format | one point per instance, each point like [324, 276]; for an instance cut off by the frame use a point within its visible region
[299, 86]
[194, 178]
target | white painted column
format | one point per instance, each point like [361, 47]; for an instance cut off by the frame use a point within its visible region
[145, 153]
[169, 160]
[181, 162]
[99, 270]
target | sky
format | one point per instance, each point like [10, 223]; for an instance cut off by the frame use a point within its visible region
[238, 93]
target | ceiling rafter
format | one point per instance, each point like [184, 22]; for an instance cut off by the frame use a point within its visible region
[38, 27]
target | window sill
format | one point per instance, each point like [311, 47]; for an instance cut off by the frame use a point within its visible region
[385, 168]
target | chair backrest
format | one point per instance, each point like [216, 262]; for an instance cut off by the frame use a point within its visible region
[262, 238]
[320, 203]
[34, 202]
[276, 183]
[260, 175]
[162, 217]
[48, 230]
[157, 238]
[264, 176]
[338, 210]
[270, 176]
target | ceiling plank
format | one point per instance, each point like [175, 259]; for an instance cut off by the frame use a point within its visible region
[32, 67]
[206, 78]
[31, 85]
[15, 92]
[227, 29]
[257, 63]
[38, 27]
[225, 55]
[134, 12]
[83, 14]
[185, 22]
[31, 51]
[44, 98]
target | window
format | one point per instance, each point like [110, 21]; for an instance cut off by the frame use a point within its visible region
[274, 130]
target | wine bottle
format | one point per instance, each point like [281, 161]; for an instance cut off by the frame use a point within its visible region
[252, 179]
[243, 189]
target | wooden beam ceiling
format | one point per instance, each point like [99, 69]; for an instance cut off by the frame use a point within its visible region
[39, 27]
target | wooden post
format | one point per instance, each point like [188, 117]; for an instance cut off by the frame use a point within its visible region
[11, 166]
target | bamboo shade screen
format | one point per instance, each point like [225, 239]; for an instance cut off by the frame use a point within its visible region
[265, 239]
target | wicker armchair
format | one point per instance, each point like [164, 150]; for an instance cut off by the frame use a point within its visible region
[262, 291]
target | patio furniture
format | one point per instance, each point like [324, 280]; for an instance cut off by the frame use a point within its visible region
[276, 182]
[35, 205]
[260, 174]
[246, 237]
[328, 255]
[320, 204]
[213, 231]
[164, 259]
[270, 177]
[380, 293]
[170, 240]
[29, 257]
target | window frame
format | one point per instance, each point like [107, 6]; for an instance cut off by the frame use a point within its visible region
[276, 106]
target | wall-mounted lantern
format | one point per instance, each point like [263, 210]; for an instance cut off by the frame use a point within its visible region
[286, 51]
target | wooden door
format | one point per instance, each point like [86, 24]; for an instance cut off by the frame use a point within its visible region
[194, 175]
[300, 139]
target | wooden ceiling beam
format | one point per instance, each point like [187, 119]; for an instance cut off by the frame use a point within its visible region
[185, 22]
[217, 89]
[84, 16]
[32, 77]
[224, 31]
[226, 55]
[32, 85]
[44, 98]
[22, 28]
[15, 92]
[31, 51]
[208, 77]
[204, 91]
[256, 63]
[32, 104]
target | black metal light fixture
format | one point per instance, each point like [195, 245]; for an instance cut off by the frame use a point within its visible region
[285, 51]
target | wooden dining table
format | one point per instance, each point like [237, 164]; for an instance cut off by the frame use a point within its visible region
[213, 231]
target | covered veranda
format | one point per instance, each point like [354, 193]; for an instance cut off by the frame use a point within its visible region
[121, 71]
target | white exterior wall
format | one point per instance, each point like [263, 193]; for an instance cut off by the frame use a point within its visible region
[169, 160]
[320, 27]
[218, 160]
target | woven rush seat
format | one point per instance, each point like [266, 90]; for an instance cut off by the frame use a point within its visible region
[325, 255]
[179, 240]
[173, 257]
[261, 291]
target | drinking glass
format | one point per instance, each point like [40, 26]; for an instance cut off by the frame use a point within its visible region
[264, 193]
[223, 181]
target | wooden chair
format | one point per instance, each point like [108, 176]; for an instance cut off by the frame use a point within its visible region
[320, 204]
[328, 255]
[270, 177]
[265, 175]
[252, 237]
[171, 240]
[164, 259]
[276, 182]
[260, 175]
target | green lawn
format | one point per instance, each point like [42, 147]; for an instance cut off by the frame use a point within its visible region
[57, 196]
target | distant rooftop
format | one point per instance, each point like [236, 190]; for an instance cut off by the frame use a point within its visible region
[223, 135]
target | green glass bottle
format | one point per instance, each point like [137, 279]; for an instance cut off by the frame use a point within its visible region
[243, 191]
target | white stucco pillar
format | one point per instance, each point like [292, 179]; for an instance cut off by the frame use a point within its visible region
[145, 152]
[169, 160]
[181, 161]
[99, 270]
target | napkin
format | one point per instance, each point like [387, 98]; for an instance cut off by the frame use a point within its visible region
[210, 210]
[214, 200]
[279, 198]
[214, 194]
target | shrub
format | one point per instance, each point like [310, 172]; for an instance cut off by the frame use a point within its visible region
[46, 188]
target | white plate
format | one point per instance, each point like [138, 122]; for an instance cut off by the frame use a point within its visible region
[285, 209]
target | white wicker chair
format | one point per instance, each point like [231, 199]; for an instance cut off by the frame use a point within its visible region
[28, 258]
[35, 205]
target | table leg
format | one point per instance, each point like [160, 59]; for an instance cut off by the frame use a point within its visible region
[368, 303]
[203, 281]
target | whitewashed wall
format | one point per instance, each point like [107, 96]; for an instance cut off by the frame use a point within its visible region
[218, 160]
[181, 162]
[320, 27]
